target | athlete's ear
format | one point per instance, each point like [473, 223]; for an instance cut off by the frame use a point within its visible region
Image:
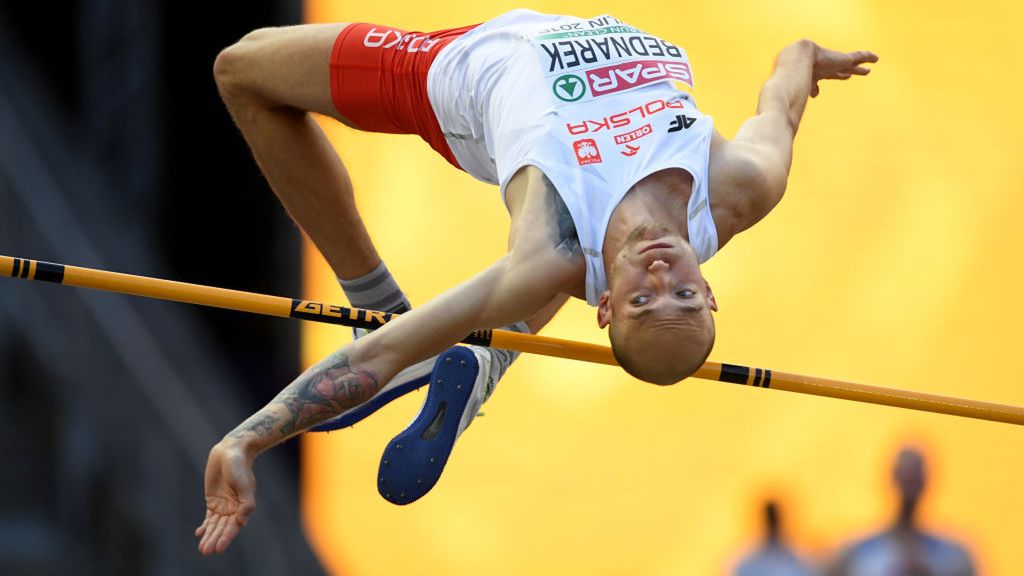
[711, 297]
[604, 310]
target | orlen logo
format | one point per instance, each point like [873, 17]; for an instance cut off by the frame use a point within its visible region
[586, 152]
[619, 77]
[634, 135]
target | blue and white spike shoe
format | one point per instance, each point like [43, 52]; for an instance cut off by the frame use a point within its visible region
[412, 378]
[413, 461]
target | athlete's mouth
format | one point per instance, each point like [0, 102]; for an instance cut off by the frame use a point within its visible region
[655, 246]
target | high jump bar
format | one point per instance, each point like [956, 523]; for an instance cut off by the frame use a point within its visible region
[332, 314]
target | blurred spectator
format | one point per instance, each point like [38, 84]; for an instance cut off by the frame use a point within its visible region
[773, 558]
[904, 549]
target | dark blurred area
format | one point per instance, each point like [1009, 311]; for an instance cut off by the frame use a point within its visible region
[116, 153]
[905, 547]
[774, 556]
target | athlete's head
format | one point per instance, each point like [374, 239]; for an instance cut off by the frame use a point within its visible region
[658, 306]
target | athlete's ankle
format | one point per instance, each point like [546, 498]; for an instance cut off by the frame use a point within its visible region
[377, 290]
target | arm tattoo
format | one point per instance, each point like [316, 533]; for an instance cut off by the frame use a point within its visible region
[322, 392]
[258, 424]
[565, 238]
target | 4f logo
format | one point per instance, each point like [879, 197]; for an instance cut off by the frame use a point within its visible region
[569, 88]
[681, 121]
[586, 152]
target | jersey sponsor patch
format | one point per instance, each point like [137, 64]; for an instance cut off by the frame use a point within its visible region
[629, 75]
[569, 88]
[630, 150]
[634, 135]
[681, 122]
[586, 151]
[586, 59]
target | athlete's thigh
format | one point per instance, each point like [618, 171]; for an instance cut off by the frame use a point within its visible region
[291, 65]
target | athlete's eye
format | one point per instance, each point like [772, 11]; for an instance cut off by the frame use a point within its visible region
[639, 300]
[687, 294]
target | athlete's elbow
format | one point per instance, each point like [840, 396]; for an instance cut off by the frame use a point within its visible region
[764, 178]
[527, 283]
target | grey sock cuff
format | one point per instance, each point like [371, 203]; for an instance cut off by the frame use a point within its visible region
[501, 358]
[377, 290]
[521, 327]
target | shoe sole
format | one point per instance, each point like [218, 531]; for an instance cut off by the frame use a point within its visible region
[413, 461]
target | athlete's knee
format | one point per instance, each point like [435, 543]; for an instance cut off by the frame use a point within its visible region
[237, 68]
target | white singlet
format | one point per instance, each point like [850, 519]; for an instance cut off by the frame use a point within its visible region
[590, 102]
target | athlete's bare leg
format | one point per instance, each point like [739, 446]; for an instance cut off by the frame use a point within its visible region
[271, 80]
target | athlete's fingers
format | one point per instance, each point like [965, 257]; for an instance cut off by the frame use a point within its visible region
[207, 528]
[231, 529]
[222, 525]
[861, 71]
[842, 75]
[862, 56]
[202, 526]
[207, 545]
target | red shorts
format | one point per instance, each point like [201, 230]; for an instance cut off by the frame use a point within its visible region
[379, 80]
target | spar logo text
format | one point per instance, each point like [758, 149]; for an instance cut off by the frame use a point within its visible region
[619, 77]
[623, 119]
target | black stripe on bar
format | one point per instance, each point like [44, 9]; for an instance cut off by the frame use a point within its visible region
[48, 272]
[25, 266]
[479, 338]
[757, 377]
[767, 377]
[16, 267]
[734, 374]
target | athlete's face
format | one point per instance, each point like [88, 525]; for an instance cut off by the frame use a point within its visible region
[659, 307]
[655, 275]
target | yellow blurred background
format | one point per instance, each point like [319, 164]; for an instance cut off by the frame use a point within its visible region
[893, 260]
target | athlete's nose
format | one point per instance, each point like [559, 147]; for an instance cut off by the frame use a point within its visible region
[658, 265]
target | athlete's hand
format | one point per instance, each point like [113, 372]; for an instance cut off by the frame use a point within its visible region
[832, 65]
[230, 497]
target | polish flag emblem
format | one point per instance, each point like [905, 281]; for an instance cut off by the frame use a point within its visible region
[587, 152]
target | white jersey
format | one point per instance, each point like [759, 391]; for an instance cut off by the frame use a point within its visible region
[590, 102]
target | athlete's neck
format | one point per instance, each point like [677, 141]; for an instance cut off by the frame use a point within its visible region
[659, 198]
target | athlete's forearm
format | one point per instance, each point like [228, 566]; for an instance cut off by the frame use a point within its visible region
[325, 390]
[500, 295]
[787, 89]
[503, 294]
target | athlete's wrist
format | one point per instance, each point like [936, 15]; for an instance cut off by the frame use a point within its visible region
[244, 444]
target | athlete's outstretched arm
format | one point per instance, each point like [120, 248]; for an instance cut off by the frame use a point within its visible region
[755, 164]
[502, 294]
[539, 267]
[799, 68]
